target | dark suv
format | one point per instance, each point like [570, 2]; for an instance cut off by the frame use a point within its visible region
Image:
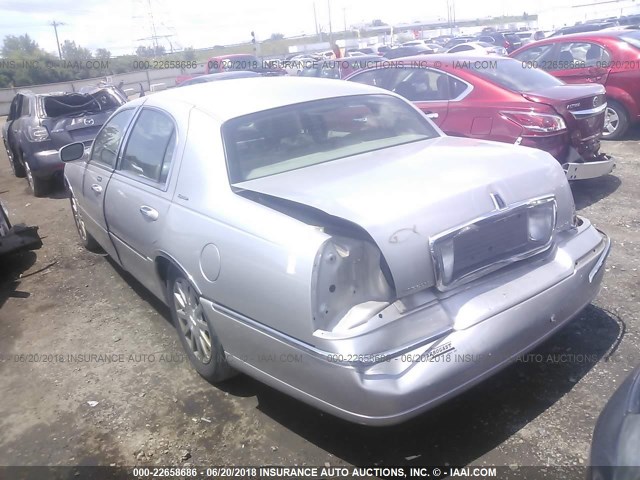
[38, 125]
[507, 40]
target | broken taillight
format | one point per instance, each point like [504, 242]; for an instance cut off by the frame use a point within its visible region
[536, 124]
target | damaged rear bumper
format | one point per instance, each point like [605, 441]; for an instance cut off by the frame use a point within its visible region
[586, 170]
[490, 325]
[18, 238]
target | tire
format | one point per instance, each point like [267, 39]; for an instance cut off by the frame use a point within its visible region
[616, 121]
[86, 239]
[39, 186]
[195, 330]
[16, 166]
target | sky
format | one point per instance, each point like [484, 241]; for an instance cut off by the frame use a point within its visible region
[120, 25]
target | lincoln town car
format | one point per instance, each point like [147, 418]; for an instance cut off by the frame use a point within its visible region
[328, 239]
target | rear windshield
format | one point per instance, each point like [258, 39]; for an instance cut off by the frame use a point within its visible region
[72, 104]
[632, 38]
[514, 75]
[297, 136]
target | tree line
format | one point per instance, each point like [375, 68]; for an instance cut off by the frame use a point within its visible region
[23, 62]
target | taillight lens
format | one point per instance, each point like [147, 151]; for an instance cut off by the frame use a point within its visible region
[38, 134]
[536, 124]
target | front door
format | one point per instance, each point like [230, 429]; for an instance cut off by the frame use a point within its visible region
[97, 173]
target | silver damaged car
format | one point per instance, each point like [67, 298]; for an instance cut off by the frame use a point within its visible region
[329, 240]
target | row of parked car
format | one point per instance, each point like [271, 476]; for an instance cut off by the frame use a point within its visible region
[334, 227]
[558, 94]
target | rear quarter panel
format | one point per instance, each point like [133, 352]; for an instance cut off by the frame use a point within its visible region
[240, 254]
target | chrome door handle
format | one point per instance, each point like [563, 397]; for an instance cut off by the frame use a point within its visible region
[431, 114]
[96, 188]
[150, 213]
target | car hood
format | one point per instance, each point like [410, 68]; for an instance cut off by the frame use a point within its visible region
[404, 195]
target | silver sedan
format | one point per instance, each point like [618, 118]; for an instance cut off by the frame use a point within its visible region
[327, 239]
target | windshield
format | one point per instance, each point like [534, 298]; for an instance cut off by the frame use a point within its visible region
[301, 135]
[514, 75]
[632, 38]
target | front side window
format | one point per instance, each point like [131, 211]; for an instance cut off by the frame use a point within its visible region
[107, 143]
[298, 136]
[150, 147]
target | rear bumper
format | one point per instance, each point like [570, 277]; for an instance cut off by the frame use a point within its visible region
[491, 325]
[46, 163]
[586, 170]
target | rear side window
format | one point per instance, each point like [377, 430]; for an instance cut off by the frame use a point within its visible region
[25, 106]
[422, 85]
[516, 76]
[150, 147]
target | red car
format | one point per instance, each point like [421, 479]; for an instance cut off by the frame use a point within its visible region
[494, 98]
[609, 57]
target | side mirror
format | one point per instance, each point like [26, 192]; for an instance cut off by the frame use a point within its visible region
[71, 152]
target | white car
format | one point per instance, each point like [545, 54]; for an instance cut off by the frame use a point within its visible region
[478, 47]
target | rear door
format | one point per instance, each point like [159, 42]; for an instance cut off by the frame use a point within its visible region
[97, 173]
[6, 128]
[139, 194]
[21, 120]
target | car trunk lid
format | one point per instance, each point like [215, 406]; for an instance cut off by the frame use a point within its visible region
[581, 106]
[406, 195]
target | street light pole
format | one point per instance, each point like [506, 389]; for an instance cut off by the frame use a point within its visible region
[55, 29]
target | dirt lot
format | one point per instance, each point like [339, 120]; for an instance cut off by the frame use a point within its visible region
[153, 409]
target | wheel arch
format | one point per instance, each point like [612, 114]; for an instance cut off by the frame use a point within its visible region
[624, 99]
[164, 262]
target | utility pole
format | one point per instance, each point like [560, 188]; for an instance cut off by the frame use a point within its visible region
[55, 29]
[330, 29]
[315, 18]
[153, 29]
[344, 18]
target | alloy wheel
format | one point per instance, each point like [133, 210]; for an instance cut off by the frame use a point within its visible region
[78, 219]
[27, 169]
[611, 122]
[191, 320]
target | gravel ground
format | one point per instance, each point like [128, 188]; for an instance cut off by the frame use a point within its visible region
[147, 406]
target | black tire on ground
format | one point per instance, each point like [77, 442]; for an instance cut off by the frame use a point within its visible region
[184, 303]
[86, 239]
[620, 120]
[17, 167]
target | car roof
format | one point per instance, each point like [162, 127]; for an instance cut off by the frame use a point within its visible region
[242, 96]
